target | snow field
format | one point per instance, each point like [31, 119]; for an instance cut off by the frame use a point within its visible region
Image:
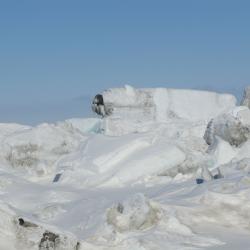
[128, 181]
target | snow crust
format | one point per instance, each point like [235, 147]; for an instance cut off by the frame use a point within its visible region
[129, 180]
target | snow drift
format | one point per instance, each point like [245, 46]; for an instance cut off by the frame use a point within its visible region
[128, 180]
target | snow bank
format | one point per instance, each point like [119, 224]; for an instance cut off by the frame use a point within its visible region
[105, 160]
[96, 159]
[227, 208]
[35, 150]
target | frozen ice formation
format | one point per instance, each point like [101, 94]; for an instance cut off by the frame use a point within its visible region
[246, 97]
[129, 110]
[136, 213]
[162, 103]
[23, 234]
[126, 180]
[233, 127]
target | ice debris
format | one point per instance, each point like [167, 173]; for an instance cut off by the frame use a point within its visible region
[136, 213]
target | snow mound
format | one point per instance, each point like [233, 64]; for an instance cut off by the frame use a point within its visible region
[109, 161]
[136, 213]
[233, 127]
[35, 150]
[229, 209]
[19, 233]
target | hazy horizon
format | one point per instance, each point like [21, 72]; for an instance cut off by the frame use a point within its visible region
[53, 52]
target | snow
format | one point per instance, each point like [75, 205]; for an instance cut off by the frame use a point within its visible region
[233, 127]
[246, 97]
[223, 152]
[137, 213]
[128, 181]
[87, 125]
[137, 110]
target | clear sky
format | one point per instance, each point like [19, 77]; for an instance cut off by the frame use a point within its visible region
[55, 54]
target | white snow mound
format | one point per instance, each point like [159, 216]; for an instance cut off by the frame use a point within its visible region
[136, 213]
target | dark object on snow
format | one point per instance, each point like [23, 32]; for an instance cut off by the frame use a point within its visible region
[53, 241]
[21, 221]
[49, 241]
[98, 105]
[209, 136]
[98, 100]
[120, 208]
[219, 175]
[24, 223]
[101, 108]
[77, 247]
[57, 177]
[199, 181]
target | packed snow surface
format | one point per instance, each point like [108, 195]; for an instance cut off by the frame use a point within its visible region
[161, 172]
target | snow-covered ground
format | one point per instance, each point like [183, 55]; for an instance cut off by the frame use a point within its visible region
[128, 181]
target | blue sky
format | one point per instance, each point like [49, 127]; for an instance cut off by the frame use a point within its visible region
[55, 54]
